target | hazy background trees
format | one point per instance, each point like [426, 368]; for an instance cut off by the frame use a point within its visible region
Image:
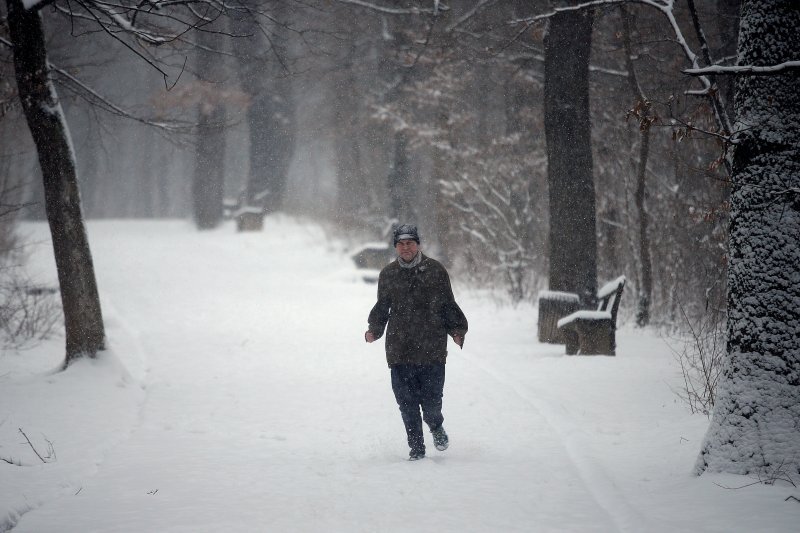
[357, 115]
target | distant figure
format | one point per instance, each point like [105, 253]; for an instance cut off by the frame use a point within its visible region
[415, 298]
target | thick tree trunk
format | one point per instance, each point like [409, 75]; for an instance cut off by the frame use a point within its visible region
[573, 241]
[755, 427]
[83, 319]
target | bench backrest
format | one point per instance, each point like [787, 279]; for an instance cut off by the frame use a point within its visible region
[609, 295]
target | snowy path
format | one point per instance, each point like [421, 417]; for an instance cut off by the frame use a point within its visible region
[264, 410]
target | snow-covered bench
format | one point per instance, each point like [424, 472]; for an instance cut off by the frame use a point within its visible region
[594, 332]
[371, 258]
[373, 255]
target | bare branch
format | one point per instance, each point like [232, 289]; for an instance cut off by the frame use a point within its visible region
[469, 14]
[397, 10]
[740, 70]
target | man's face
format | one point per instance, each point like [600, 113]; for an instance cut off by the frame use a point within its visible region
[406, 249]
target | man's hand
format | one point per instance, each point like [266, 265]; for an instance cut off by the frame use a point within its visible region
[459, 339]
[369, 336]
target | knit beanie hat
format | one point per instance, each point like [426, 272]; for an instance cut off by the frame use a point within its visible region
[406, 232]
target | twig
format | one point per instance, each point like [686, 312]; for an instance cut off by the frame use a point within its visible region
[737, 488]
[50, 447]
[792, 498]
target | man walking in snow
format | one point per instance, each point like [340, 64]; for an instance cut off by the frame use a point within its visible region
[416, 299]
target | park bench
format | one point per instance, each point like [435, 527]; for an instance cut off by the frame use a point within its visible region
[594, 332]
[371, 258]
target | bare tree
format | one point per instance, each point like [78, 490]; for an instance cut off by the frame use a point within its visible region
[147, 24]
[83, 319]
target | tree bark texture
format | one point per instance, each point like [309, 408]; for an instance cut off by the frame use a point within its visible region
[755, 427]
[83, 319]
[573, 239]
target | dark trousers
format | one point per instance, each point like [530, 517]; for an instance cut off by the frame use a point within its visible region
[418, 386]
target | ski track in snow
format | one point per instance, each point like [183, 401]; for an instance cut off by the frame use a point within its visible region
[595, 478]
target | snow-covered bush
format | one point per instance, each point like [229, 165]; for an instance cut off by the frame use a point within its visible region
[499, 227]
[699, 348]
[28, 312]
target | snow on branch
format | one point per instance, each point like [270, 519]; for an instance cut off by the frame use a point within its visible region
[437, 7]
[744, 69]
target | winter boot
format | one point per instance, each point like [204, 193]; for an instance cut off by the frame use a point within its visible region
[440, 439]
[416, 454]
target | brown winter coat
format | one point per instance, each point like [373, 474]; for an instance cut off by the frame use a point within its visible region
[419, 306]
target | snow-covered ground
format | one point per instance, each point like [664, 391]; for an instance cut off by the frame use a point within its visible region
[238, 394]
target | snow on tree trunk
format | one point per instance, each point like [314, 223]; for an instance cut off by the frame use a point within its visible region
[573, 239]
[83, 319]
[755, 427]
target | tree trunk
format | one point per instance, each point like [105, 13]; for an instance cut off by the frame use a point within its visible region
[727, 22]
[755, 427]
[401, 190]
[573, 239]
[271, 113]
[351, 197]
[646, 289]
[208, 186]
[209, 180]
[640, 197]
[83, 319]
